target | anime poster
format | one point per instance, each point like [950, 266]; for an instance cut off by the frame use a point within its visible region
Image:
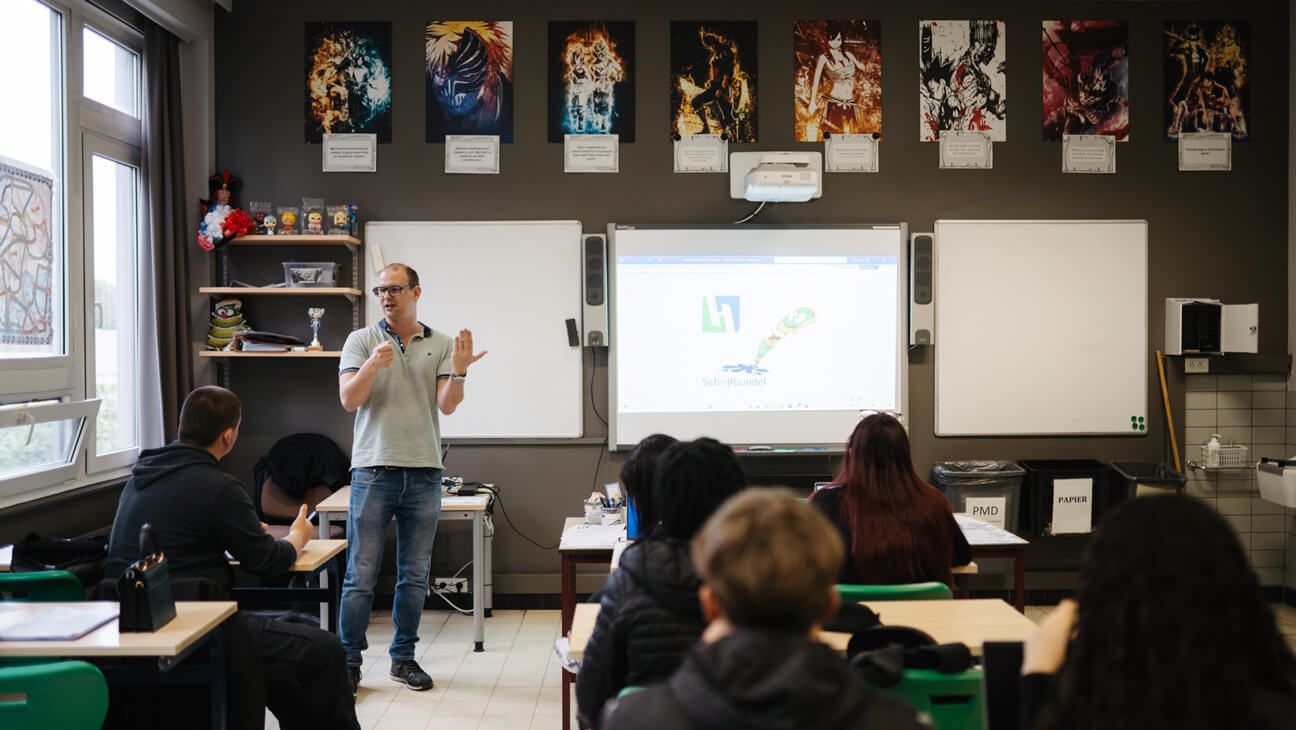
[961, 79]
[27, 249]
[1086, 78]
[469, 78]
[838, 78]
[591, 79]
[713, 78]
[1206, 86]
[348, 79]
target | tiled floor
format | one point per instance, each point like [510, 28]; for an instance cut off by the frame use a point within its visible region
[513, 685]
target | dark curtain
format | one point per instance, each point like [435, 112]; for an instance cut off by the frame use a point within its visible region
[169, 237]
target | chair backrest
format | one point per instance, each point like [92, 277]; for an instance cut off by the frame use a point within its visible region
[41, 585]
[70, 695]
[930, 591]
[950, 701]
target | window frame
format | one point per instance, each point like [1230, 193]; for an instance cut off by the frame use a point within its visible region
[21, 487]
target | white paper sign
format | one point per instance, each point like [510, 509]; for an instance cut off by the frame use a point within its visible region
[991, 510]
[701, 153]
[592, 153]
[850, 153]
[472, 154]
[350, 153]
[1205, 151]
[1092, 153]
[1072, 506]
[966, 150]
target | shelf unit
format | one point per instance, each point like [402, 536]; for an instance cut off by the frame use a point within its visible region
[352, 293]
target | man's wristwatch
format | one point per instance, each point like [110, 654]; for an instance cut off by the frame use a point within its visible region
[458, 378]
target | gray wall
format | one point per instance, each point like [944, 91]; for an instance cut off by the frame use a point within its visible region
[1211, 234]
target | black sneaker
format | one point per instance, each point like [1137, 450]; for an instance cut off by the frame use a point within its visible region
[353, 671]
[409, 673]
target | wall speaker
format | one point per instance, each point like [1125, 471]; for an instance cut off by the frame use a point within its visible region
[594, 279]
[922, 282]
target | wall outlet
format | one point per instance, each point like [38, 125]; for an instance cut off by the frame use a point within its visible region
[1196, 364]
[450, 585]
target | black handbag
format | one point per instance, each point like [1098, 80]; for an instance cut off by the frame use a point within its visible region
[147, 603]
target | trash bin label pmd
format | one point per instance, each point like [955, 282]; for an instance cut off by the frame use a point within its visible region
[992, 510]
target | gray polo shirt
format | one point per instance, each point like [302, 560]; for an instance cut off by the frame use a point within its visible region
[397, 425]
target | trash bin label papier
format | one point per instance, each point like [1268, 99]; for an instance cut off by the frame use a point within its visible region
[1072, 506]
[991, 510]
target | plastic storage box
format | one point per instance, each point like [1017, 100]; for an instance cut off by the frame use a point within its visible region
[1147, 479]
[309, 273]
[994, 487]
[1037, 490]
[1277, 481]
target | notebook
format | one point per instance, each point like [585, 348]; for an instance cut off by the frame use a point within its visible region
[60, 623]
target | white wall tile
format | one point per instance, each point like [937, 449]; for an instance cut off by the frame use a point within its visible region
[1200, 382]
[1265, 507]
[1204, 490]
[1234, 506]
[1276, 435]
[1232, 417]
[1269, 541]
[1200, 418]
[1267, 558]
[1194, 437]
[1234, 400]
[1268, 451]
[1270, 576]
[1233, 382]
[1267, 523]
[1201, 400]
[1231, 434]
[1268, 399]
[1241, 524]
[1269, 382]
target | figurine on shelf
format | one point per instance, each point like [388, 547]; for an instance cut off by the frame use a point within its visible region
[221, 186]
[288, 220]
[269, 223]
[316, 316]
[226, 322]
[341, 221]
[314, 222]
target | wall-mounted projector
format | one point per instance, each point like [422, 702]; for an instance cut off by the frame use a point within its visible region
[776, 177]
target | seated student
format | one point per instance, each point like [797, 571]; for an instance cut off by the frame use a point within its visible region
[768, 564]
[1168, 630]
[636, 479]
[896, 527]
[198, 513]
[650, 614]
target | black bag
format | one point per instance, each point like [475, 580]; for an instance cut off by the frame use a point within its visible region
[145, 589]
[82, 557]
[882, 653]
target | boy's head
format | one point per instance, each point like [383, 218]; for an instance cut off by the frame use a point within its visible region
[209, 419]
[691, 480]
[769, 560]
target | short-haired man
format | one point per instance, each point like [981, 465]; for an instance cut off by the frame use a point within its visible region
[199, 513]
[395, 376]
[768, 565]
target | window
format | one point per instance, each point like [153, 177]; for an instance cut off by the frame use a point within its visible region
[71, 192]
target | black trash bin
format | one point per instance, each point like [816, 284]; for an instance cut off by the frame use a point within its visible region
[994, 485]
[1146, 479]
[1037, 490]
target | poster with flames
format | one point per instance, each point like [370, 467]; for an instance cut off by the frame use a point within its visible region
[713, 78]
[469, 67]
[1086, 78]
[348, 80]
[591, 79]
[837, 73]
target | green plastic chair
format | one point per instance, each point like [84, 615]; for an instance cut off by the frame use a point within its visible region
[629, 690]
[41, 585]
[69, 695]
[931, 591]
[951, 701]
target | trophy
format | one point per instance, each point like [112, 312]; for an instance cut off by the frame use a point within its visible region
[316, 315]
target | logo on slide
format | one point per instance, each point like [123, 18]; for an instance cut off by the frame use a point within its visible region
[720, 314]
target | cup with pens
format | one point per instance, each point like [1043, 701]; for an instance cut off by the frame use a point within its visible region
[605, 510]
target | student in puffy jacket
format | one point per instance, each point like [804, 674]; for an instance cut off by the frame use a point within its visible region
[768, 565]
[649, 616]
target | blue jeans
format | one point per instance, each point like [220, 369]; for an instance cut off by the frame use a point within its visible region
[413, 497]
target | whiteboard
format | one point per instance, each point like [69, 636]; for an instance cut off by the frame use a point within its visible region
[1041, 327]
[514, 284]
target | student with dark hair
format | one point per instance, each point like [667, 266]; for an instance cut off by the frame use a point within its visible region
[768, 564]
[199, 513]
[637, 479]
[896, 527]
[649, 615]
[1168, 631]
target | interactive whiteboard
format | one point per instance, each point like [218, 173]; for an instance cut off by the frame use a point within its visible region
[514, 284]
[1041, 327]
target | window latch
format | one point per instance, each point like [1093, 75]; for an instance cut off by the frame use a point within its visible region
[29, 419]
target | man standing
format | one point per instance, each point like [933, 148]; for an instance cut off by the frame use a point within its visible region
[395, 375]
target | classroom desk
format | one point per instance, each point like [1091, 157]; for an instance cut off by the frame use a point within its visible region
[117, 654]
[989, 542]
[475, 509]
[311, 562]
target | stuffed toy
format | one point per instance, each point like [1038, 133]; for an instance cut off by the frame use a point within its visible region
[226, 322]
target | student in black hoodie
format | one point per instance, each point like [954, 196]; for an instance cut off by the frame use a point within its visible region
[768, 565]
[649, 616]
[198, 513]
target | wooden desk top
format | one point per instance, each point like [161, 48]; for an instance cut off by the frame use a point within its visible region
[316, 554]
[194, 619]
[340, 501]
[972, 622]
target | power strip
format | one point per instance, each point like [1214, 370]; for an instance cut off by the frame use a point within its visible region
[450, 586]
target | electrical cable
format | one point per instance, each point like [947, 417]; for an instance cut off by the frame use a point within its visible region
[451, 603]
[500, 501]
[597, 466]
[593, 371]
[759, 208]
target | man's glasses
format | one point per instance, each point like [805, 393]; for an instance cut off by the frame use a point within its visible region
[395, 291]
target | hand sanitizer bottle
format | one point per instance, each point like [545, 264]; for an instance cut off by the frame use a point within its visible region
[1213, 451]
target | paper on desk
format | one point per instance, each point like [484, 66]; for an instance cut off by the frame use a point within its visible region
[592, 536]
[981, 533]
[61, 623]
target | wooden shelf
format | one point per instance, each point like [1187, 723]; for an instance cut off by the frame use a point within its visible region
[295, 239]
[282, 290]
[240, 353]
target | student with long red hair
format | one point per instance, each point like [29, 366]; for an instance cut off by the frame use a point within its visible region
[896, 527]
